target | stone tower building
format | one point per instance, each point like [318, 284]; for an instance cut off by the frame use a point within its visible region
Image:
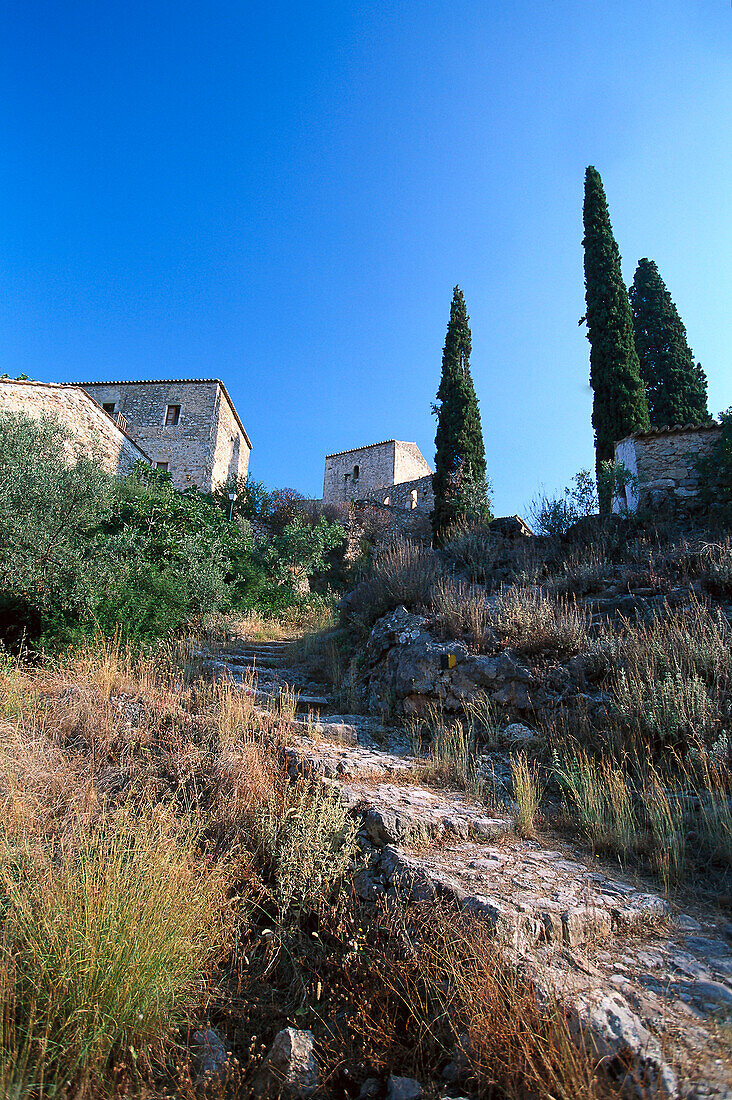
[187, 426]
[392, 473]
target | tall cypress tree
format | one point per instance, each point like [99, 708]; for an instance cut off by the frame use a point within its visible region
[619, 405]
[459, 480]
[676, 386]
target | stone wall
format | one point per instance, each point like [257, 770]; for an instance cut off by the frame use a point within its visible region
[664, 462]
[207, 445]
[365, 472]
[92, 427]
[232, 450]
[352, 475]
[407, 496]
[409, 464]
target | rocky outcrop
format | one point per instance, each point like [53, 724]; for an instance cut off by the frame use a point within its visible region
[648, 988]
[405, 666]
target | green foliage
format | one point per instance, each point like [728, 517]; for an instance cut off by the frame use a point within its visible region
[299, 551]
[715, 470]
[50, 511]
[81, 551]
[307, 843]
[615, 479]
[676, 386]
[620, 405]
[555, 515]
[459, 481]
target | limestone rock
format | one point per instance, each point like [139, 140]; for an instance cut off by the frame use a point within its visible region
[290, 1068]
[211, 1055]
[618, 1035]
[403, 1088]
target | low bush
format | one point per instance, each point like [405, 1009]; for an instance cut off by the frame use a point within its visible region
[462, 611]
[669, 711]
[306, 842]
[103, 940]
[533, 623]
[404, 573]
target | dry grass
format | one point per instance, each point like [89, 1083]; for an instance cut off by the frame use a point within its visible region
[127, 795]
[486, 558]
[533, 623]
[80, 984]
[584, 572]
[678, 822]
[428, 986]
[451, 758]
[404, 573]
[527, 791]
[463, 611]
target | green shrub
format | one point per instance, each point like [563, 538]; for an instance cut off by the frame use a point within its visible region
[555, 515]
[102, 942]
[715, 470]
[307, 843]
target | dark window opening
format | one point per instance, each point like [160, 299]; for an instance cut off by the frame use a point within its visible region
[109, 407]
[164, 466]
[172, 416]
[355, 473]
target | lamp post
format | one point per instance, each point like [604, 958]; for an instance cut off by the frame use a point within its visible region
[232, 498]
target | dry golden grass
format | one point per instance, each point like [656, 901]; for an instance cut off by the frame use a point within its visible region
[424, 983]
[127, 796]
[463, 611]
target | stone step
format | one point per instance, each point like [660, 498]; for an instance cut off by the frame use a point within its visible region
[302, 702]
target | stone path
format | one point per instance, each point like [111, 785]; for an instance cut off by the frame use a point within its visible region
[653, 985]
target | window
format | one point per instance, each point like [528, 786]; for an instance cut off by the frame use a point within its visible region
[387, 500]
[355, 473]
[413, 498]
[164, 466]
[109, 407]
[172, 416]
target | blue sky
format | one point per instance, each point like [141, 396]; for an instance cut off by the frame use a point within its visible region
[284, 195]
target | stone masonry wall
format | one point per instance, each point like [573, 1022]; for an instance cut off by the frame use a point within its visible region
[665, 465]
[408, 495]
[199, 449]
[409, 464]
[91, 426]
[232, 450]
[375, 468]
[368, 472]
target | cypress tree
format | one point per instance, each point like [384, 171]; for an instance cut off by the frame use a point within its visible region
[459, 480]
[676, 386]
[619, 404]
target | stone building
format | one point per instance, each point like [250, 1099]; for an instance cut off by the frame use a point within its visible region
[393, 473]
[663, 464]
[188, 426]
[89, 423]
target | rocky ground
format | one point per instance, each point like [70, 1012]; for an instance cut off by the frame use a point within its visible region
[650, 980]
